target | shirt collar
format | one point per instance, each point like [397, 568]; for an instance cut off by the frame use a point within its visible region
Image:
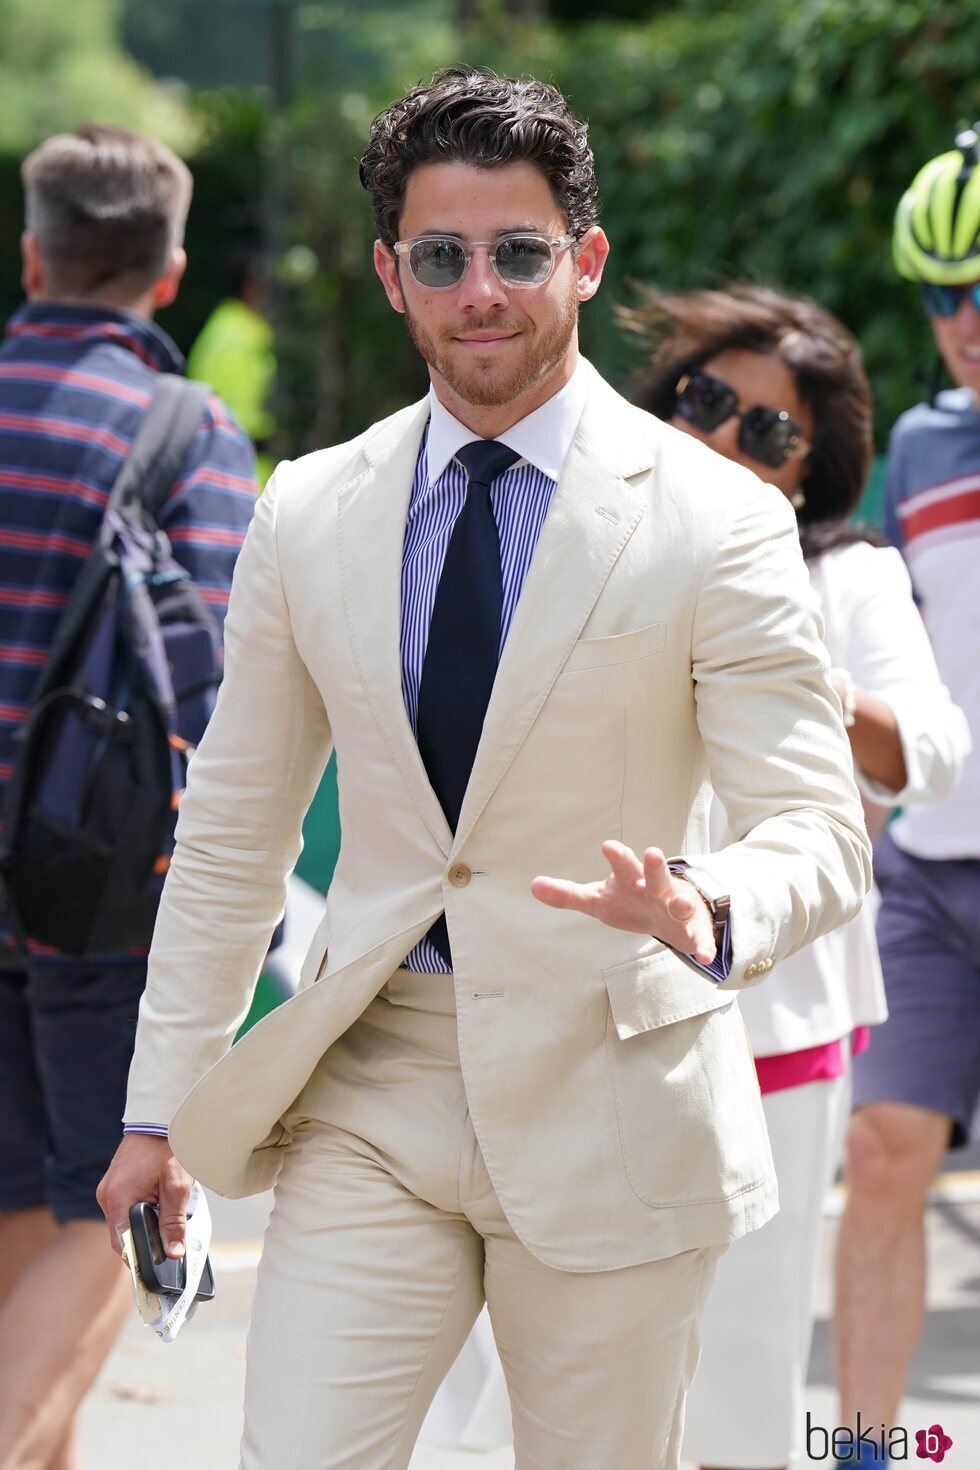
[53, 320]
[543, 438]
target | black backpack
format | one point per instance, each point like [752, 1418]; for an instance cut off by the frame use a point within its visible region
[129, 684]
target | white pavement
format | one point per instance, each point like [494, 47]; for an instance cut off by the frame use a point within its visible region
[157, 1407]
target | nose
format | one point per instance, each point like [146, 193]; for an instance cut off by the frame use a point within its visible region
[724, 439]
[481, 288]
[968, 313]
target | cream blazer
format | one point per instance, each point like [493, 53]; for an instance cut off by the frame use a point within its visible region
[664, 641]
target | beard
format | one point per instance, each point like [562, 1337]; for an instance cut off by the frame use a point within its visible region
[482, 381]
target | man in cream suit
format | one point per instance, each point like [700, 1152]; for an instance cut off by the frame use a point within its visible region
[533, 622]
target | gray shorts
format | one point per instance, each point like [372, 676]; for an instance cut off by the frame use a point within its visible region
[928, 1051]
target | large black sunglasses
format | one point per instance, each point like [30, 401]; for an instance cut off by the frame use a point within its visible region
[768, 435]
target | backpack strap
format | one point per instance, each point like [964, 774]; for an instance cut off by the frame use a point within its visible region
[159, 451]
[161, 445]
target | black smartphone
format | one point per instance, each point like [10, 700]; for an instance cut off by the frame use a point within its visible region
[158, 1271]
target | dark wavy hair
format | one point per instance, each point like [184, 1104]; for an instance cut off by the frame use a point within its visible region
[470, 115]
[685, 329]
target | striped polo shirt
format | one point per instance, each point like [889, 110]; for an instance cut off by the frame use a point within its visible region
[932, 514]
[75, 382]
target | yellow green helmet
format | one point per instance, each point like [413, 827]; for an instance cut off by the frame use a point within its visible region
[937, 223]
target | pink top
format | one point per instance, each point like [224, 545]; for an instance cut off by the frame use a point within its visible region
[813, 1064]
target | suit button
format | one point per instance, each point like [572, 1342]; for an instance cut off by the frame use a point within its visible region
[459, 875]
[751, 970]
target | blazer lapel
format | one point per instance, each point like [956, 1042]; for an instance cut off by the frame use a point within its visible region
[592, 516]
[371, 516]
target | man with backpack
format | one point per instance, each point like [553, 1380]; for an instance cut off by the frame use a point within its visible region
[80, 366]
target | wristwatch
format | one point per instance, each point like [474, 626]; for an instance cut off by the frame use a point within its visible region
[719, 902]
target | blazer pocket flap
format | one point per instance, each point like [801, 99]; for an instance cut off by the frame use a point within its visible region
[657, 990]
[621, 648]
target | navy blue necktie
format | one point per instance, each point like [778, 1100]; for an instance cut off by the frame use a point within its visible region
[464, 642]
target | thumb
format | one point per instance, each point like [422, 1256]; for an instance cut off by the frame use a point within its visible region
[173, 1216]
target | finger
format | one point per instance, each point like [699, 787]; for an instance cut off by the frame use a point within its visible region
[173, 1216]
[116, 1217]
[705, 952]
[560, 893]
[659, 879]
[681, 907]
[623, 861]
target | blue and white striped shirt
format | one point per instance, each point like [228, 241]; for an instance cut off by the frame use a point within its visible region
[520, 499]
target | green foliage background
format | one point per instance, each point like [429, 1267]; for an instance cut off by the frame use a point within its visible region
[767, 141]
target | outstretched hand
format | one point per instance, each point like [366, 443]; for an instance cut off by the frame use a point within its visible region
[643, 897]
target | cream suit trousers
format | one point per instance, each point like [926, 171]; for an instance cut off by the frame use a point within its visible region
[386, 1237]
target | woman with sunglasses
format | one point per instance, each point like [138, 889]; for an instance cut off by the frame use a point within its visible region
[777, 384]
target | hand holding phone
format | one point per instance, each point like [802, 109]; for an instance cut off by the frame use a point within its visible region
[167, 1290]
[159, 1273]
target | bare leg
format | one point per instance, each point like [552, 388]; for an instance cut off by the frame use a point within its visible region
[22, 1234]
[894, 1151]
[58, 1321]
[67, 1457]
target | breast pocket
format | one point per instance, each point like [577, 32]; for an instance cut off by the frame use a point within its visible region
[621, 648]
[687, 1099]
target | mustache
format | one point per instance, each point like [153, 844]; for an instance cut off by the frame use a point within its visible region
[481, 324]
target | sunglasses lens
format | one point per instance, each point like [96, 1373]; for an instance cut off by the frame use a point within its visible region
[945, 300]
[437, 262]
[768, 436]
[523, 260]
[706, 402]
[942, 300]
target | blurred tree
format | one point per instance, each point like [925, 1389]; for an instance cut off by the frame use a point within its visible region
[577, 12]
[229, 49]
[769, 142]
[62, 64]
[776, 153]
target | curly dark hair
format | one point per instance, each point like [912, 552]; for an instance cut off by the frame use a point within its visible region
[470, 115]
[685, 329]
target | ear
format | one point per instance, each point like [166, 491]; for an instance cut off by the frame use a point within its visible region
[386, 265]
[165, 290]
[33, 274]
[590, 258]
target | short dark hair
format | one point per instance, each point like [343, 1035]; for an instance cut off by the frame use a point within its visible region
[684, 329]
[471, 115]
[105, 205]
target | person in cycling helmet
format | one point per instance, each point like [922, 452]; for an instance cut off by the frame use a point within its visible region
[916, 1088]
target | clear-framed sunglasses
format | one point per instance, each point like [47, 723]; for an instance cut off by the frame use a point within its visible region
[440, 261]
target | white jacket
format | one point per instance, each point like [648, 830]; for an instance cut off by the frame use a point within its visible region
[871, 627]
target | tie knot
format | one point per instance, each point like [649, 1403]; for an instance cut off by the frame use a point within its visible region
[485, 459]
